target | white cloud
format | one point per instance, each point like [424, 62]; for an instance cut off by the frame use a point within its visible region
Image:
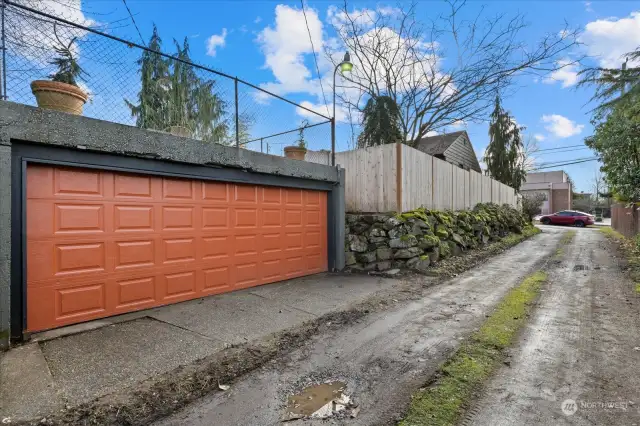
[587, 6]
[215, 42]
[538, 137]
[561, 126]
[284, 45]
[567, 74]
[257, 20]
[611, 38]
[30, 30]
[341, 113]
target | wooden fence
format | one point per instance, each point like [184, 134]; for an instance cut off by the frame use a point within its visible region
[625, 220]
[396, 177]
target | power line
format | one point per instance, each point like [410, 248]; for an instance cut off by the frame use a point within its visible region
[559, 147]
[134, 22]
[315, 58]
[560, 152]
[563, 161]
[566, 164]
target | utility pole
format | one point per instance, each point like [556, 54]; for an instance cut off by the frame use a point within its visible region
[3, 47]
[623, 75]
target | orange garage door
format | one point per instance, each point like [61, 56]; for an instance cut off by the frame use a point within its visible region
[103, 243]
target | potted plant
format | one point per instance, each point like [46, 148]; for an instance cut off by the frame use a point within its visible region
[298, 151]
[62, 93]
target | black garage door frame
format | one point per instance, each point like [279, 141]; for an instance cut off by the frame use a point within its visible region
[24, 153]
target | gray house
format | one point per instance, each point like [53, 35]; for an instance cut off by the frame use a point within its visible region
[454, 148]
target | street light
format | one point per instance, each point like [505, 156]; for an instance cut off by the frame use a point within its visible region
[344, 66]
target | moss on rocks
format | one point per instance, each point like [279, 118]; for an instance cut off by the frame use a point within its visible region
[407, 235]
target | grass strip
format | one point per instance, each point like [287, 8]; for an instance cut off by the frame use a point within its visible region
[444, 401]
[631, 249]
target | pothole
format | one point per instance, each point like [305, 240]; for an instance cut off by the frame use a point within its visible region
[320, 402]
[580, 268]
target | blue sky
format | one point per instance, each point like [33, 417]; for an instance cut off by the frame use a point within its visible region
[265, 42]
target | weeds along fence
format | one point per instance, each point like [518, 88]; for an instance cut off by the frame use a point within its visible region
[147, 87]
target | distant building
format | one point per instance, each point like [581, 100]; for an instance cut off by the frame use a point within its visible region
[555, 185]
[454, 148]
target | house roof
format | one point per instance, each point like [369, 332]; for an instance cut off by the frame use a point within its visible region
[435, 145]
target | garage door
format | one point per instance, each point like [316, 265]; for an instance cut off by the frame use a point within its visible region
[103, 243]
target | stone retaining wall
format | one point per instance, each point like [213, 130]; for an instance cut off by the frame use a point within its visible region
[419, 238]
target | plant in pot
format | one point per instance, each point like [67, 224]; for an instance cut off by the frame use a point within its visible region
[298, 152]
[62, 93]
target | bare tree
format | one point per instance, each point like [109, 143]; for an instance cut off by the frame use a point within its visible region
[396, 55]
[532, 204]
[528, 154]
[599, 185]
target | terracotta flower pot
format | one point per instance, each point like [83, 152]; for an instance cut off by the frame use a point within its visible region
[59, 96]
[295, 152]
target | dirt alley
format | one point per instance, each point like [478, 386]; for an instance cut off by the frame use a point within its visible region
[581, 348]
[385, 357]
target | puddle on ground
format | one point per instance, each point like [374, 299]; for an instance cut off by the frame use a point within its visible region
[318, 401]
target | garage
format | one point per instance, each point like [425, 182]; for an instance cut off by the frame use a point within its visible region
[104, 242]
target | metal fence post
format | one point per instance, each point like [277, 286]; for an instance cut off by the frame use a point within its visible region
[261, 145]
[237, 115]
[333, 137]
[3, 88]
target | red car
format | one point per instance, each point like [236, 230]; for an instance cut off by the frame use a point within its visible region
[568, 217]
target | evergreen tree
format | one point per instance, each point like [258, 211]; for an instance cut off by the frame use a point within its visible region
[172, 94]
[613, 85]
[151, 111]
[504, 156]
[380, 122]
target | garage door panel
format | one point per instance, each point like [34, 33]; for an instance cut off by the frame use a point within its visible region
[215, 218]
[245, 195]
[246, 245]
[216, 280]
[133, 218]
[216, 247]
[271, 196]
[118, 242]
[176, 250]
[79, 183]
[246, 273]
[178, 189]
[133, 186]
[293, 197]
[215, 192]
[179, 285]
[178, 218]
[245, 217]
[136, 293]
[272, 269]
[135, 254]
[79, 258]
[271, 217]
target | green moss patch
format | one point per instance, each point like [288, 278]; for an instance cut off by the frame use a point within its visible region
[443, 402]
[567, 237]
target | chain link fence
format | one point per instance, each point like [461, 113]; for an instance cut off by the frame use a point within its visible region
[143, 86]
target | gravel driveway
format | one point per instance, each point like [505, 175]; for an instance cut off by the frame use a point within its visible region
[385, 357]
[578, 360]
